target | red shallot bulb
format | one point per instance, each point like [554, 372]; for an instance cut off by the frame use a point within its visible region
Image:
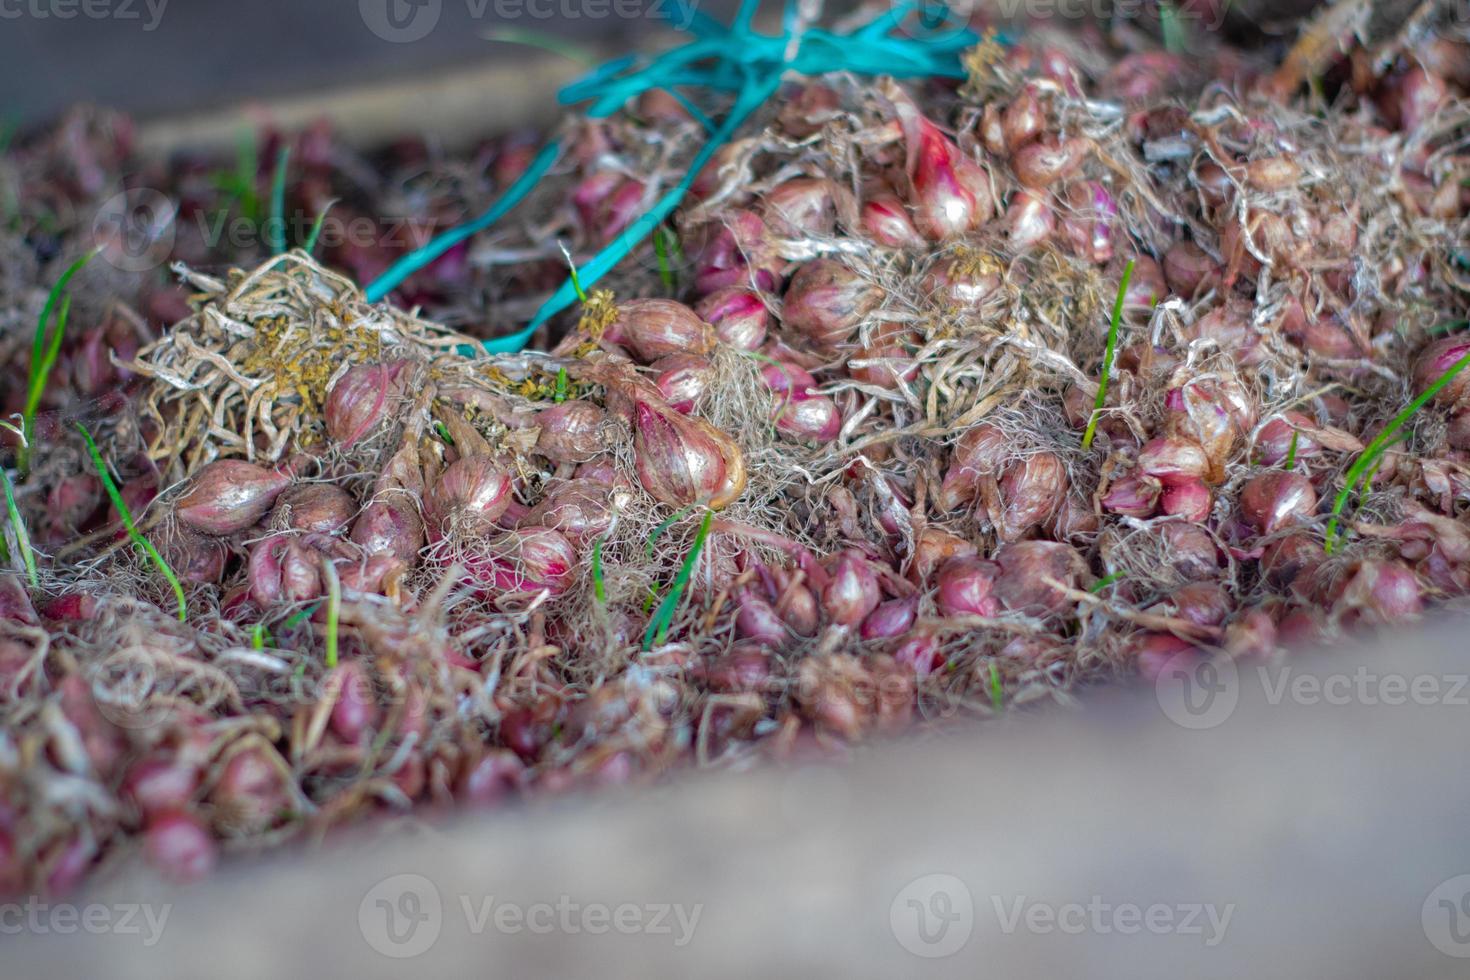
[1025, 568]
[390, 525]
[470, 494]
[935, 547]
[196, 557]
[319, 507]
[1213, 413]
[758, 621]
[813, 419]
[1188, 499]
[800, 207]
[159, 783]
[491, 779]
[571, 432]
[952, 193]
[363, 397]
[579, 509]
[1089, 224]
[1029, 220]
[890, 619]
[1154, 652]
[682, 460]
[739, 253]
[1435, 360]
[965, 588]
[963, 280]
[355, 710]
[229, 495]
[886, 221]
[1047, 161]
[1381, 592]
[1030, 491]
[1274, 500]
[852, 593]
[1188, 269]
[739, 316]
[920, 652]
[1275, 439]
[976, 454]
[528, 559]
[1200, 603]
[787, 380]
[179, 846]
[652, 328]
[682, 379]
[827, 302]
[1135, 495]
[884, 361]
[252, 791]
[1021, 121]
[282, 568]
[1170, 460]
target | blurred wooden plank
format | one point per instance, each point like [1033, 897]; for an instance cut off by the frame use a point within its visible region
[1323, 828]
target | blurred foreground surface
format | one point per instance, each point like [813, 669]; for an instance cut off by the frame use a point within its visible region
[1305, 819]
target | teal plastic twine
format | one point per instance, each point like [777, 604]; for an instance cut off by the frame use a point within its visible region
[733, 59]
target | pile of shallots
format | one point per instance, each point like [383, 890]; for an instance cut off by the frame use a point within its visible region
[933, 399]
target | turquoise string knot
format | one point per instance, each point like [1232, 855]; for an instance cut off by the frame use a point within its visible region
[735, 59]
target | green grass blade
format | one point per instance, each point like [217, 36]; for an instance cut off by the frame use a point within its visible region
[1104, 582]
[658, 627]
[543, 41]
[334, 605]
[1112, 349]
[997, 691]
[599, 590]
[127, 519]
[1291, 452]
[44, 351]
[661, 236]
[663, 526]
[22, 539]
[276, 230]
[560, 394]
[300, 616]
[316, 228]
[1369, 459]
